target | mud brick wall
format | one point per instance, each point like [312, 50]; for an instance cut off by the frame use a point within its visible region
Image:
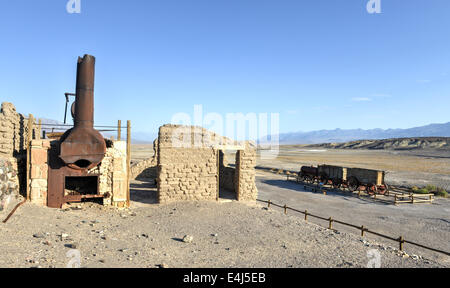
[245, 164]
[9, 181]
[185, 173]
[187, 159]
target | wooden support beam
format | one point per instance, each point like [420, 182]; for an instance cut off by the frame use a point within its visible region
[218, 175]
[128, 161]
[39, 129]
[28, 146]
[119, 130]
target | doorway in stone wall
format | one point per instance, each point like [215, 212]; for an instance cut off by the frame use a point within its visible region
[227, 175]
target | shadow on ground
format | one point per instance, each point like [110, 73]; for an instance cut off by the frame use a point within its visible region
[299, 187]
[144, 191]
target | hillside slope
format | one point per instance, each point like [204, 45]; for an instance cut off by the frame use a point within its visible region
[396, 143]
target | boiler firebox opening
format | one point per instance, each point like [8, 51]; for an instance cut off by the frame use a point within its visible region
[81, 186]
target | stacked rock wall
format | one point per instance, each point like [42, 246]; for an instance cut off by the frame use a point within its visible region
[9, 182]
[12, 155]
[13, 131]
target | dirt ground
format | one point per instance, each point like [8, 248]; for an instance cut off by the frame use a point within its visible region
[422, 223]
[226, 234]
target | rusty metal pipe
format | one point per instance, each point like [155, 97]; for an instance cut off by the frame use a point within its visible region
[84, 104]
[83, 147]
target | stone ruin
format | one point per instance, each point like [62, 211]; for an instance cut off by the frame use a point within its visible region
[188, 165]
[13, 132]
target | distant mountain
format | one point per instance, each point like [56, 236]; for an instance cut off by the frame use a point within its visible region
[410, 143]
[342, 135]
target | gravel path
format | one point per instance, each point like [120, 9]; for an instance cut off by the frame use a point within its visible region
[227, 234]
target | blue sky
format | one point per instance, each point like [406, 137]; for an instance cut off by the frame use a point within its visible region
[321, 64]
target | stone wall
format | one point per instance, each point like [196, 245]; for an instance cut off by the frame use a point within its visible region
[9, 181]
[188, 161]
[13, 135]
[113, 174]
[13, 131]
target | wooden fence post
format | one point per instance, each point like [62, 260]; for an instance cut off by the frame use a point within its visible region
[119, 130]
[331, 223]
[218, 175]
[285, 209]
[268, 204]
[39, 129]
[362, 231]
[401, 241]
[306, 215]
[128, 161]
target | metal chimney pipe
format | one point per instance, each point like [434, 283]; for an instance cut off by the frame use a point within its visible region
[83, 147]
[84, 104]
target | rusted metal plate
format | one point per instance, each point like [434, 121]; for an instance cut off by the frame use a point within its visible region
[57, 173]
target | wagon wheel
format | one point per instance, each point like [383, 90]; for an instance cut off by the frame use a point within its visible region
[352, 184]
[372, 189]
[383, 190]
[323, 178]
[337, 183]
[307, 179]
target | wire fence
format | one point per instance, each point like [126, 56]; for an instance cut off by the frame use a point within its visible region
[44, 129]
[400, 240]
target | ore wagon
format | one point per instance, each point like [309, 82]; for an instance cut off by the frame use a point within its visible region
[370, 180]
[308, 174]
[333, 175]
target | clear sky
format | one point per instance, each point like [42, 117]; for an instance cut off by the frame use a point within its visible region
[321, 64]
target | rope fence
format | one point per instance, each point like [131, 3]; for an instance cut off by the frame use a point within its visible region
[400, 240]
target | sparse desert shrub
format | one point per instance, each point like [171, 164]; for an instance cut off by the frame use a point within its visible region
[442, 193]
[438, 191]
